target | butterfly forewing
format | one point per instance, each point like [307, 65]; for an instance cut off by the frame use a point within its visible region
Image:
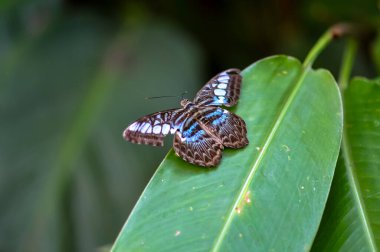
[152, 129]
[223, 89]
[196, 146]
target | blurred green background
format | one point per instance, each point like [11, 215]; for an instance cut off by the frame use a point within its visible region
[73, 74]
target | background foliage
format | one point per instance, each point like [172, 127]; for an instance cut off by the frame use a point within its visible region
[75, 73]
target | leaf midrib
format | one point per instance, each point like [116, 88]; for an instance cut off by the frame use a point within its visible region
[257, 162]
[354, 185]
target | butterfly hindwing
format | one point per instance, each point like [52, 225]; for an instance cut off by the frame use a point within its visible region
[226, 126]
[223, 89]
[151, 129]
[196, 146]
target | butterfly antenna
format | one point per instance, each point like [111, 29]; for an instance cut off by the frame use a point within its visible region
[156, 97]
[166, 96]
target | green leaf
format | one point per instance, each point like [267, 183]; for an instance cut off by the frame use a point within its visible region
[267, 196]
[351, 219]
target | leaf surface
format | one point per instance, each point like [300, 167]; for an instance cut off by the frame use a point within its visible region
[351, 221]
[267, 196]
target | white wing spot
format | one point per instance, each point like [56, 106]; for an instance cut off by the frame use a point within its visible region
[156, 122]
[222, 86]
[223, 79]
[213, 85]
[133, 126]
[165, 129]
[219, 92]
[149, 131]
[156, 129]
[220, 99]
[144, 128]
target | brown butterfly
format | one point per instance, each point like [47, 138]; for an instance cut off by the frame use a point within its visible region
[202, 128]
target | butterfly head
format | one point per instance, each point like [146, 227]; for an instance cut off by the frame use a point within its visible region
[185, 103]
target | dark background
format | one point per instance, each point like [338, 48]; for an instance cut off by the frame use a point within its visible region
[73, 74]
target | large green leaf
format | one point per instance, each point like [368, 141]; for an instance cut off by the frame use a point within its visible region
[268, 196]
[351, 220]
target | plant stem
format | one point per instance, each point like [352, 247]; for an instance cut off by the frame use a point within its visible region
[334, 32]
[318, 48]
[347, 63]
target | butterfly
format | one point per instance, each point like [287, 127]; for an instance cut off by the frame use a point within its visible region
[201, 128]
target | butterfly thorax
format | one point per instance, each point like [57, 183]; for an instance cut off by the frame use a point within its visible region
[186, 103]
